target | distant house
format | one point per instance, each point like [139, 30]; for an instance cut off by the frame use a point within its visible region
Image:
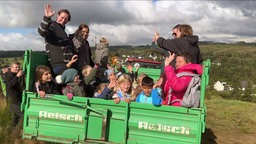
[219, 86]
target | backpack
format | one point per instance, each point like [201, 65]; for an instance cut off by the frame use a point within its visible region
[191, 98]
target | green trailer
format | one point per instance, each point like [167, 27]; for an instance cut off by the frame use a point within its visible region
[90, 120]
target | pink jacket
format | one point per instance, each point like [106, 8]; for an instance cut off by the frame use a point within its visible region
[178, 85]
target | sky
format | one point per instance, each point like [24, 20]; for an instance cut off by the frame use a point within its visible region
[127, 22]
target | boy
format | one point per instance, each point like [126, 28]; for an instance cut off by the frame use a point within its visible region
[148, 94]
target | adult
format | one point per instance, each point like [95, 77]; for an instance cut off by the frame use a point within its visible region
[102, 52]
[175, 87]
[82, 47]
[184, 41]
[59, 47]
[15, 83]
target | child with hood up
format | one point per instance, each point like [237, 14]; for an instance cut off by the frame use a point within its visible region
[74, 86]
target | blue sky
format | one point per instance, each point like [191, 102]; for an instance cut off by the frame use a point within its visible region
[129, 22]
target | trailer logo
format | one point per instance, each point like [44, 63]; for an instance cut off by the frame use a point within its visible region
[60, 116]
[164, 128]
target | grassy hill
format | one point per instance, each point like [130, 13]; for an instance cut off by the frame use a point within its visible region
[229, 122]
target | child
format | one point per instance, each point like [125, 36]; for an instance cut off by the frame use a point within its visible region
[132, 74]
[148, 94]
[106, 73]
[112, 82]
[89, 79]
[15, 84]
[136, 85]
[123, 89]
[89, 73]
[175, 87]
[99, 89]
[44, 81]
[120, 70]
[74, 86]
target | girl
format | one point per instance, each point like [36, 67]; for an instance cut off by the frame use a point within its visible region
[123, 89]
[44, 81]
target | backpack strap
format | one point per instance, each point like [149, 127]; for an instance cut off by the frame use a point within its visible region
[186, 74]
[180, 75]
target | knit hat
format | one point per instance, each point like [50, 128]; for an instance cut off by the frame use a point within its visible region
[68, 75]
[108, 72]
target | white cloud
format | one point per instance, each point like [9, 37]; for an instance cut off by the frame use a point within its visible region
[130, 22]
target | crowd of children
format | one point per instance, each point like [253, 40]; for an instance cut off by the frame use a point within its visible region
[109, 85]
[119, 85]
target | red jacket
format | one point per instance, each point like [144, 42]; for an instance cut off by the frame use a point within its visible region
[178, 85]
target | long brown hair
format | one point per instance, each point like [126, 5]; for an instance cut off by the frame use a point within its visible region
[40, 70]
[80, 28]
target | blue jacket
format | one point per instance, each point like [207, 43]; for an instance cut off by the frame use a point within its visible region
[154, 98]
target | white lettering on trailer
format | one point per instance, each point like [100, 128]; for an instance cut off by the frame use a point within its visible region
[164, 128]
[60, 116]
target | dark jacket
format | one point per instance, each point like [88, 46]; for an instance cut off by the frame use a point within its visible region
[83, 51]
[186, 44]
[14, 87]
[59, 47]
[49, 88]
[105, 94]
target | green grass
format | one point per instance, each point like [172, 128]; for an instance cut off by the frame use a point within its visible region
[230, 121]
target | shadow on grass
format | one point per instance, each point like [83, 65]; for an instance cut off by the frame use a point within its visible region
[208, 137]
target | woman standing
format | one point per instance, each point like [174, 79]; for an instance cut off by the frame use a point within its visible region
[82, 47]
[102, 52]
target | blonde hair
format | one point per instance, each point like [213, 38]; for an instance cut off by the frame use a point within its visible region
[85, 70]
[104, 40]
[122, 79]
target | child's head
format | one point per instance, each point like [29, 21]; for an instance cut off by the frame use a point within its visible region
[124, 83]
[183, 59]
[86, 70]
[147, 85]
[70, 75]
[15, 67]
[43, 74]
[119, 67]
[110, 73]
[99, 88]
[140, 77]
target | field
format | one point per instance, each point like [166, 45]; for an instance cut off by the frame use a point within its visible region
[230, 122]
